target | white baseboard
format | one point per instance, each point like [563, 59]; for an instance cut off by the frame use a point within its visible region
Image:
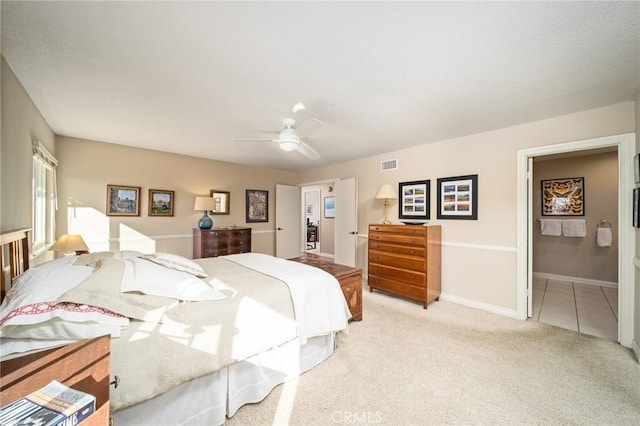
[480, 305]
[577, 280]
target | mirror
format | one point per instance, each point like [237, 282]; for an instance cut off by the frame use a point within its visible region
[221, 199]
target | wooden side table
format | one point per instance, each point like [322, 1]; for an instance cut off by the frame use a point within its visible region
[84, 365]
[350, 280]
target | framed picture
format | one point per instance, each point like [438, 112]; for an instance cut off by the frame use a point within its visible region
[636, 168]
[415, 204]
[329, 207]
[222, 200]
[636, 207]
[563, 197]
[160, 202]
[257, 205]
[458, 197]
[123, 200]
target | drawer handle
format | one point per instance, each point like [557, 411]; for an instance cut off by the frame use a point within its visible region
[115, 382]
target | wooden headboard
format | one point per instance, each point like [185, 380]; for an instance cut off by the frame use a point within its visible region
[14, 249]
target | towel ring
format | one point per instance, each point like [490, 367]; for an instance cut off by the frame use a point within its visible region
[604, 224]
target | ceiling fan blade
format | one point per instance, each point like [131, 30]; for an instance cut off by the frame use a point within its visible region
[308, 127]
[255, 140]
[307, 151]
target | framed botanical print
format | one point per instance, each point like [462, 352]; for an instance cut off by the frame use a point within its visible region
[123, 200]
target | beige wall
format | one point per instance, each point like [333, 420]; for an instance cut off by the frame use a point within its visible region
[473, 251]
[87, 167]
[21, 123]
[579, 257]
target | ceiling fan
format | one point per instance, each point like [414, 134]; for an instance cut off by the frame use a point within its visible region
[290, 137]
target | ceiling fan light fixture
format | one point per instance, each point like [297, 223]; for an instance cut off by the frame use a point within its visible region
[288, 142]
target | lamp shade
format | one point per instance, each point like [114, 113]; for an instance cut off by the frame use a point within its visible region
[205, 203]
[70, 243]
[386, 192]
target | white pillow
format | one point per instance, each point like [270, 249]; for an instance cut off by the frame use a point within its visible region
[31, 299]
[151, 278]
[176, 262]
[92, 259]
[103, 288]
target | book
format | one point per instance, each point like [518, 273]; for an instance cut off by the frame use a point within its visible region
[53, 405]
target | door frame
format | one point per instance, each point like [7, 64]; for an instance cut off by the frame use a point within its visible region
[626, 235]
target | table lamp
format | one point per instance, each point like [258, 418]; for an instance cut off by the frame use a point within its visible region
[205, 204]
[386, 193]
[69, 243]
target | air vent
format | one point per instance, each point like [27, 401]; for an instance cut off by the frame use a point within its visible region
[386, 165]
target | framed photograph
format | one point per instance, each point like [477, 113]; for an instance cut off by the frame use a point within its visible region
[458, 197]
[329, 207]
[563, 197]
[222, 200]
[123, 200]
[160, 202]
[257, 205]
[636, 207]
[415, 204]
[636, 168]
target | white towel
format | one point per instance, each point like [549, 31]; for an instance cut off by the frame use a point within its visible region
[604, 237]
[551, 227]
[574, 228]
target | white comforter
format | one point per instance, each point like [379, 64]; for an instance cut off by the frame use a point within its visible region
[318, 301]
[198, 338]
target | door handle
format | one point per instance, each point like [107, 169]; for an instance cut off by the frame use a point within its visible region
[353, 232]
[278, 229]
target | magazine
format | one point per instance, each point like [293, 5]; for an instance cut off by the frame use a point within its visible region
[53, 405]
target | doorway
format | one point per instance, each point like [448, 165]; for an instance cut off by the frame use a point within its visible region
[318, 233]
[625, 145]
[575, 276]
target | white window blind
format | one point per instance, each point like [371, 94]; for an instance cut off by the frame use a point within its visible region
[44, 198]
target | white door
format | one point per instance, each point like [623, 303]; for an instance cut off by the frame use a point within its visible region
[530, 238]
[288, 223]
[346, 222]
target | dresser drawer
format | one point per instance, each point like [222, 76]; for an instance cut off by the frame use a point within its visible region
[397, 238]
[240, 233]
[403, 275]
[392, 248]
[214, 244]
[397, 288]
[397, 261]
[401, 230]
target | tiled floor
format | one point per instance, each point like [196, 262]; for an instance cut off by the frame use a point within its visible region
[584, 308]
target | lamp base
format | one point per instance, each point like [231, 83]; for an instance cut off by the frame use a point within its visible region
[386, 221]
[205, 222]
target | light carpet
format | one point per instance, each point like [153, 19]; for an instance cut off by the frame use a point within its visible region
[454, 365]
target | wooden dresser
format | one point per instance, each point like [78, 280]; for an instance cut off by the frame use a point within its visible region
[84, 365]
[220, 241]
[350, 280]
[404, 260]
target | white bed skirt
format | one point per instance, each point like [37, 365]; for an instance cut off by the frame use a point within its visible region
[210, 399]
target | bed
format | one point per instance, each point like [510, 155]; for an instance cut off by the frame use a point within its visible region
[192, 340]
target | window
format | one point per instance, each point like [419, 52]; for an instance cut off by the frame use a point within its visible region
[44, 198]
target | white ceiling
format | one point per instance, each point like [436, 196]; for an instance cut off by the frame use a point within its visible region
[188, 77]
